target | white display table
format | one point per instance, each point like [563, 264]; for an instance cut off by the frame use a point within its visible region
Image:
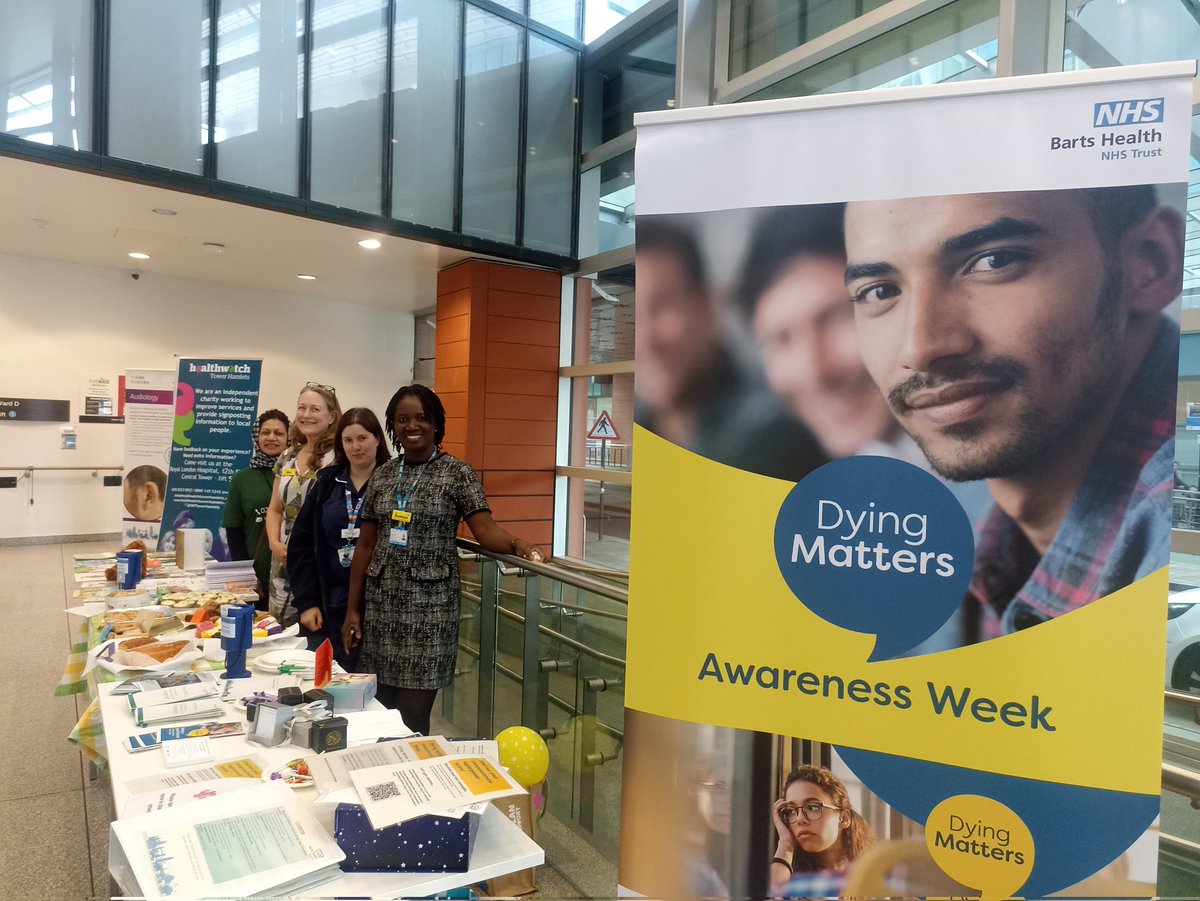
[500, 846]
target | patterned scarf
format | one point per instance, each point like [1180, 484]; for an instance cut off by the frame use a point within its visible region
[259, 460]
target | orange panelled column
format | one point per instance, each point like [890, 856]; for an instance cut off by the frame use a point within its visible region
[496, 370]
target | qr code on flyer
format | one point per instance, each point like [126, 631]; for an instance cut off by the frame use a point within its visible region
[383, 791]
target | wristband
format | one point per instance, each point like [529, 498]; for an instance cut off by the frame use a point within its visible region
[782, 862]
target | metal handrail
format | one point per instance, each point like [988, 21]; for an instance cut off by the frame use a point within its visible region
[1181, 781]
[557, 636]
[550, 602]
[552, 571]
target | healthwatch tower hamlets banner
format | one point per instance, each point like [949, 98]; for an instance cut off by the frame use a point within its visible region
[905, 406]
[216, 402]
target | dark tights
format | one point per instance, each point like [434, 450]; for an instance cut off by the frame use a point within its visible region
[415, 704]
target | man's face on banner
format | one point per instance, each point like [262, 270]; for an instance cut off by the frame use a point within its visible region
[673, 342]
[991, 322]
[810, 353]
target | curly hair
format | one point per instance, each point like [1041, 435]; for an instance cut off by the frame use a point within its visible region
[856, 834]
[324, 444]
[366, 418]
[430, 403]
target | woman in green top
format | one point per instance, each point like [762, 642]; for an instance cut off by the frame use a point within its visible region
[250, 495]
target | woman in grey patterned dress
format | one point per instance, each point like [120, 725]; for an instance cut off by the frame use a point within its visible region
[404, 594]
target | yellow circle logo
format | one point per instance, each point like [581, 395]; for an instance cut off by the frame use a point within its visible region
[980, 843]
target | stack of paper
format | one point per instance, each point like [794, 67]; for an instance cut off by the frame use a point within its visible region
[252, 842]
[235, 576]
[188, 701]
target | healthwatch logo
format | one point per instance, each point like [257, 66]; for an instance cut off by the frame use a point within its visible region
[1127, 112]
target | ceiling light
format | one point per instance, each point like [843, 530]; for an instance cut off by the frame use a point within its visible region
[138, 255]
[370, 243]
[163, 211]
[307, 278]
[212, 247]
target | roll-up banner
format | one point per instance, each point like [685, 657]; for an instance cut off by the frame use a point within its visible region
[216, 402]
[906, 377]
[149, 411]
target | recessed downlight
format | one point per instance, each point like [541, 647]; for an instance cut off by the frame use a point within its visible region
[306, 277]
[163, 211]
[138, 255]
[370, 243]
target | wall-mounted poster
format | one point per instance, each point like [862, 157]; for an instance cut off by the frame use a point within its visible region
[216, 402]
[906, 375]
[102, 399]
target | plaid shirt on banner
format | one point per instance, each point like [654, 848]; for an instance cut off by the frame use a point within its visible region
[1118, 528]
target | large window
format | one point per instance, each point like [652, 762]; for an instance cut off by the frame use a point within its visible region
[955, 43]
[348, 73]
[46, 71]
[600, 452]
[550, 157]
[158, 96]
[424, 121]
[761, 30]
[491, 119]
[259, 78]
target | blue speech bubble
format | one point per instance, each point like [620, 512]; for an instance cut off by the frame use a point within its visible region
[876, 545]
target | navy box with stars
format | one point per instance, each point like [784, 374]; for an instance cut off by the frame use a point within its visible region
[428, 844]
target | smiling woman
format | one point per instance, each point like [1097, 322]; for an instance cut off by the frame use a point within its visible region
[403, 603]
[312, 440]
[250, 496]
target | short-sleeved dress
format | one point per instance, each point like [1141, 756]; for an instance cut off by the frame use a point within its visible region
[293, 489]
[411, 603]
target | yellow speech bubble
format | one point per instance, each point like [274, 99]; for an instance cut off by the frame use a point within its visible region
[980, 843]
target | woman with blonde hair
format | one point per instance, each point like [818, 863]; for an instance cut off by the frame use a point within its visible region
[311, 440]
[817, 828]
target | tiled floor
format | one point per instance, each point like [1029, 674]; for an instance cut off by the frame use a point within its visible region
[55, 812]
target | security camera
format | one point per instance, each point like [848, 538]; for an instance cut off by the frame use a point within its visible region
[135, 275]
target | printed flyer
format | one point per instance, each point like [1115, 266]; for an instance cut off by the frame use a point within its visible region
[906, 379]
[216, 402]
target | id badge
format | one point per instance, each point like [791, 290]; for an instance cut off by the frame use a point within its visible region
[399, 536]
[350, 533]
[345, 554]
[401, 516]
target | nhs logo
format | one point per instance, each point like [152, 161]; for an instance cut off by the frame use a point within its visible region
[1128, 112]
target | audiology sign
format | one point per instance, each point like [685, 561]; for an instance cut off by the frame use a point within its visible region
[968, 297]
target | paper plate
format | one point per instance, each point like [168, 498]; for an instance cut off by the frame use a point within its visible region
[299, 657]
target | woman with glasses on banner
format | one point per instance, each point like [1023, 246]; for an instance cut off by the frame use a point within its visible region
[323, 539]
[403, 603]
[819, 834]
[311, 448]
[249, 497]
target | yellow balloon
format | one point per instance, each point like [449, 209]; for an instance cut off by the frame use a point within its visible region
[524, 753]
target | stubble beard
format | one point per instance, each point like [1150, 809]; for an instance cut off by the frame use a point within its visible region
[1037, 436]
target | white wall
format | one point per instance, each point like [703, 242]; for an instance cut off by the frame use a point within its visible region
[59, 322]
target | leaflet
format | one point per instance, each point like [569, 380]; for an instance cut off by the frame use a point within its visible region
[171, 694]
[239, 768]
[162, 799]
[261, 840]
[180, 710]
[331, 771]
[393, 794]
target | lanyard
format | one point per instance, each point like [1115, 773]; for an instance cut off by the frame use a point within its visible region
[352, 512]
[403, 499]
